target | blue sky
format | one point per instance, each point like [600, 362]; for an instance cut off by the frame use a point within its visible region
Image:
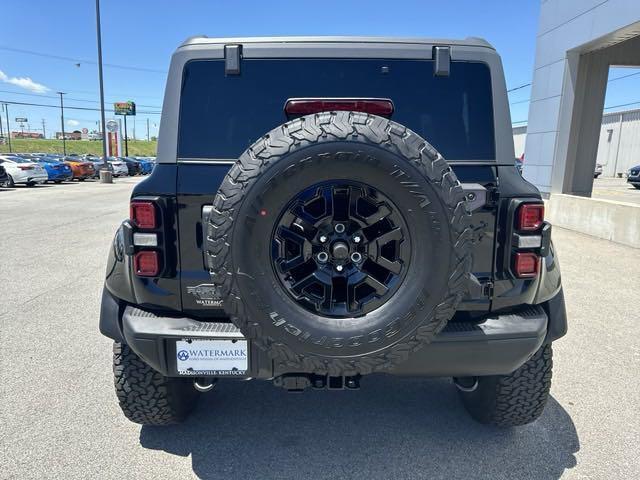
[142, 35]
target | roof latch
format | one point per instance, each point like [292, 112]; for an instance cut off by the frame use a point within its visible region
[442, 63]
[232, 55]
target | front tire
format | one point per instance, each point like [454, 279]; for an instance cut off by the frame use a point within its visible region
[511, 400]
[147, 397]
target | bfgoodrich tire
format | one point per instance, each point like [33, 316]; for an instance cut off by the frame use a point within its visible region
[340, 152]
[515, 399]
[145, 396]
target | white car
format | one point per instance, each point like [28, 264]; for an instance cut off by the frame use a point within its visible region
[119, 167]
[21, 170]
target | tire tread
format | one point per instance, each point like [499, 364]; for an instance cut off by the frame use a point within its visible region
[145, 396]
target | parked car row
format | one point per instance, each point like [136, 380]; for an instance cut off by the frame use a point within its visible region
[33, 168]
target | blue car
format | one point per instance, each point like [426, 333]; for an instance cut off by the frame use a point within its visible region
[57, 171]
[146, 167]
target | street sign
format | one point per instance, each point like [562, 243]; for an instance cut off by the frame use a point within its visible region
[125, 108]
[112, 126]
[85, 130]
[21, 120]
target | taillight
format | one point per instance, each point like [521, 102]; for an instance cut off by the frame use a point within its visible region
[530, 216]
[525, 264]
[146, 263]
[143, 214]
[26, 167]
[306, 106]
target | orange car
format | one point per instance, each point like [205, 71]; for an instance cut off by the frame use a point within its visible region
[81, 169]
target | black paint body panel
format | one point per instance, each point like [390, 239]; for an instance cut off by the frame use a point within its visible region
[184, 189]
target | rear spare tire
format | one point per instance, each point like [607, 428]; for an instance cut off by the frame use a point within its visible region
[339, 243]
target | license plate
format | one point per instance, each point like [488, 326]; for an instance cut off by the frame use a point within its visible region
[212, 357]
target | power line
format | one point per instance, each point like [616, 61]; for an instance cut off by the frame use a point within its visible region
[611, 80]
[621, 105]
[71, 108]
[623, 76]
[68, 98]
[519, 87]
[80, 61]
[608, 81]
[605, 108]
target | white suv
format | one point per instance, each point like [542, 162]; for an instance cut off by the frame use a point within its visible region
[21, 170]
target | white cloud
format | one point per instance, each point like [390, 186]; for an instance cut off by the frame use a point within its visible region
[24, 82]
[73, 123]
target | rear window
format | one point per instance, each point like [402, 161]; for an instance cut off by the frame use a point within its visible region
[220, 116]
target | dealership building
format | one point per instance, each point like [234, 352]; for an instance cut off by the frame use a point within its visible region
[618, 142]
[577, 42]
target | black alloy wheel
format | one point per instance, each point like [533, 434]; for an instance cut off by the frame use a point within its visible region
[340, 249]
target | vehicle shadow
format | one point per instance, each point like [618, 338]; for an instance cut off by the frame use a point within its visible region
[392, 428]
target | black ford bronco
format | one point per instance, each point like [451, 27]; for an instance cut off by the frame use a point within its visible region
[325, 208]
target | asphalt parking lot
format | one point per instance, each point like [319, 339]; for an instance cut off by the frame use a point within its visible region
[616, 189]
[59, 417]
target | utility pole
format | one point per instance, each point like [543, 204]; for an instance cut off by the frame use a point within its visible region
[44, 131]
[1, 134]
[147, 129]
[126, 142]
[64, 140]
[134, 129]
[6, 111]
[105, 174]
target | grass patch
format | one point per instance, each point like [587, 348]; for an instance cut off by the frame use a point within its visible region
[140, 148]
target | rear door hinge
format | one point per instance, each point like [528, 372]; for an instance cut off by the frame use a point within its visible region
[487, 289]
[493, 196]
[479, 287]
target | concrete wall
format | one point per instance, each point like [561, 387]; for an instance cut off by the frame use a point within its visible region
[615, 221]
[573, 53]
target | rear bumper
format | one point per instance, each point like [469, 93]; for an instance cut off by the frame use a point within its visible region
[496, 346]
[26, 177]
[37, 179]
[59, 176]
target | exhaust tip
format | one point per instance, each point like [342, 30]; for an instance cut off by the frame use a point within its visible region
[204, 384]
[466, 384]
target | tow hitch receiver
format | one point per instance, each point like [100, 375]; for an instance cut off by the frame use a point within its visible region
[298, 383]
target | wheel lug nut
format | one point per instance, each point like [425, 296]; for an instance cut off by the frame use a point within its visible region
[322, 257]
[356, 257]
[356, 239]
[339, 268]
[323, 238]
[339, 228]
